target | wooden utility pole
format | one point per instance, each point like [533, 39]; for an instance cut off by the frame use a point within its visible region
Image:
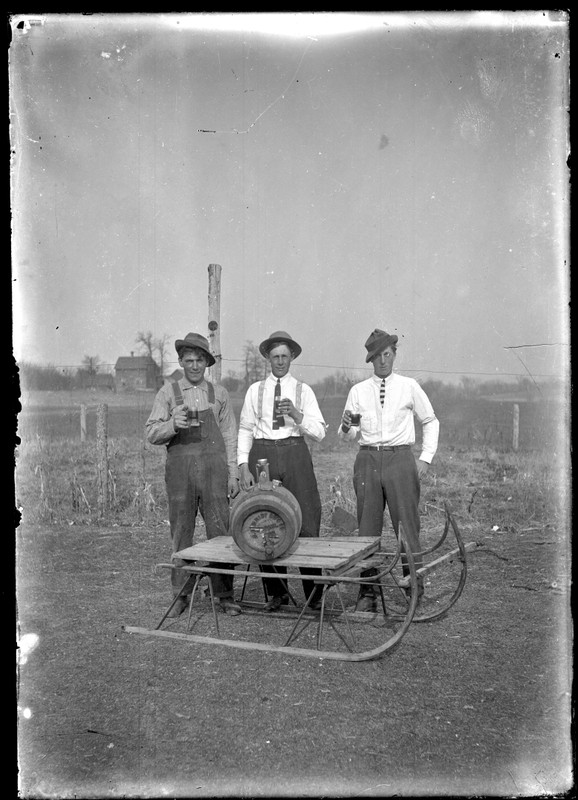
[215, 319]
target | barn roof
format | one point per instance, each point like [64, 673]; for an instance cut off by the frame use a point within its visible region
[134, 362]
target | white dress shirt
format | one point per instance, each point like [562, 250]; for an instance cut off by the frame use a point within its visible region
[252, 427]
[394, 423]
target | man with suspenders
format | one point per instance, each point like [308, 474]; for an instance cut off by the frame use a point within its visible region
[195, 420]
[277, 413]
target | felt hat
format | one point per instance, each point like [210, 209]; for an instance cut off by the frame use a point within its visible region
[378, 340]
[195, 340]
[279, 337]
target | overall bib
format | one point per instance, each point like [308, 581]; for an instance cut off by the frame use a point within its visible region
[196, 477]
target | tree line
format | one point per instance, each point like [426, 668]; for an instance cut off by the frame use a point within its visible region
[253, 368]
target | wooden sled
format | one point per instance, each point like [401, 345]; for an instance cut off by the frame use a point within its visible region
[355, 636]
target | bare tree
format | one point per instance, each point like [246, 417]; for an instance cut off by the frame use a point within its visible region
[91, 364]
[146, 341]
[154, 347]
[254, 363]
[160, 346]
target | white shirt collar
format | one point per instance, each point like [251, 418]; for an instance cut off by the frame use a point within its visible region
[378, 380]
[283, 380]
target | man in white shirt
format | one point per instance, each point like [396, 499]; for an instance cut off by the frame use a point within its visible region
[385, 469]
[276, 416]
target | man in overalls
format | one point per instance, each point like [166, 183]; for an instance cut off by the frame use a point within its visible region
[277, 415]
[195, 421]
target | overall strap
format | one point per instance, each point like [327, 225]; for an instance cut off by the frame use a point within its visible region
[178, 394]
[260, 400]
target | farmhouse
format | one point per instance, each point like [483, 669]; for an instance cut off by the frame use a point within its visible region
[136, 373]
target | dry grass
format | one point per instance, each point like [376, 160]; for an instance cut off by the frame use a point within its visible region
[476, 704]
[488, 490]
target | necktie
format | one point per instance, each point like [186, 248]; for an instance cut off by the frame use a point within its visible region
[278, 421]
[382, 392]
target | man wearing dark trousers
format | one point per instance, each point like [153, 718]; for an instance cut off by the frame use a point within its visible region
[276, 416]
[195, 421]
[385, 470]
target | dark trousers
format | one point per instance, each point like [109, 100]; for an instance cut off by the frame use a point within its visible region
[291, 464]
[388, 477]
[196, 480]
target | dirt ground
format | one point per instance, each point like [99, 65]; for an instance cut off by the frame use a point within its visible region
[477, 703]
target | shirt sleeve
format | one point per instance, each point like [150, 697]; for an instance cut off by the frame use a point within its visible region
[159, 426]
[247, 424]
[425, 414]
[312, 424]
[352, 405]
[228, 427]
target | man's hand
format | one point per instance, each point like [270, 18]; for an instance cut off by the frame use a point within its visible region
[287, 408]
[246, 480]
[346, 421]
[422, 468]
[180, 418]
[233, 487]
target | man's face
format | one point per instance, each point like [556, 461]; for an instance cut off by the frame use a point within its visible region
[383, 363]
[193, 363]
[280, 358]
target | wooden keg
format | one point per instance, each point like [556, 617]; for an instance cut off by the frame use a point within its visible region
[265, 521]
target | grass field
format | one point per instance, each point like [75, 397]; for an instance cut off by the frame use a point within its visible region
[477, 704]
[57, 473]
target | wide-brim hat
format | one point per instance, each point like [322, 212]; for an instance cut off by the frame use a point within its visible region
[377, 342]
[279, 337]
[195, 340]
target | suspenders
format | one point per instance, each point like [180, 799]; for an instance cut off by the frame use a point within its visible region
[262, 390]
[179, 395]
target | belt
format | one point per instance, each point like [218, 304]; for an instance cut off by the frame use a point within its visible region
[281, 442]
[384, 447]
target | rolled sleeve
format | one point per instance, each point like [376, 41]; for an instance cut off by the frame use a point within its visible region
[228, 427]
[312, 424]
[247, 424]
[159, 426]
[425, 415]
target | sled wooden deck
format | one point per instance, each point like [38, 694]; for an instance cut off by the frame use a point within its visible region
[341, 562]
[333, 556]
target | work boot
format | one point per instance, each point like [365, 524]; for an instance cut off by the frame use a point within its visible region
[275, 603]
[420, 591]
[228, 606]
[366, 602]
[179, 606]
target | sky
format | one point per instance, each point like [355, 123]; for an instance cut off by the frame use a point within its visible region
[402, 171]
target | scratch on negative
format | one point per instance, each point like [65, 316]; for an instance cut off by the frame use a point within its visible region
[270, 106]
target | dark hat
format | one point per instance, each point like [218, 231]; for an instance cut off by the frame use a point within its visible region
[279, 337]
[195, 340]
[378, 341]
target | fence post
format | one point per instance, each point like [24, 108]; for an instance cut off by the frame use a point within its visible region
[102, 450]
[516, 432]
[83, 423]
